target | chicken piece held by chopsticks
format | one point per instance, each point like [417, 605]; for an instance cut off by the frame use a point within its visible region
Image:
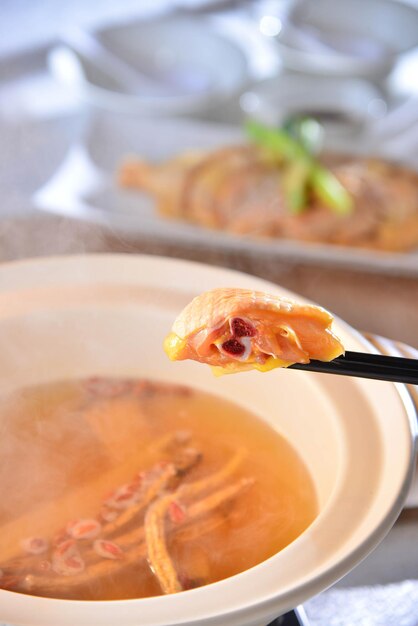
[237, 329]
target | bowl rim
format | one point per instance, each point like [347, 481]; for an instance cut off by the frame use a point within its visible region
[318, 63]
[112, 100]
[263, 605]
[408, 9]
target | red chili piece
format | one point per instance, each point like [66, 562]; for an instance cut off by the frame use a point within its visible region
[66, 548]
[241, 328]
[68, 566]
[233, 346]
[107, 549]
[84, 529]
[124, 497]
[176, 512]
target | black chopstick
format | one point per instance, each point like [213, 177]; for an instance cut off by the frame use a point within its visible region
[376, 366]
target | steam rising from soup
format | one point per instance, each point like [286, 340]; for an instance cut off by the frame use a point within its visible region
[114, 489]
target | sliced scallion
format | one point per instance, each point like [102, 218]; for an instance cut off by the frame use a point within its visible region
[328, 188]
[294, 149]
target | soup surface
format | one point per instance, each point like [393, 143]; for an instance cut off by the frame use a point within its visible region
[114, 488]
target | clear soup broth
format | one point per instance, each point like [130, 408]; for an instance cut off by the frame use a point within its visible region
[114, 489]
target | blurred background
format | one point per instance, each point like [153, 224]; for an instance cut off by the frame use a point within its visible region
[84, 85]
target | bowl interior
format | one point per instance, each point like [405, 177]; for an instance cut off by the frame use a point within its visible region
[81, 316]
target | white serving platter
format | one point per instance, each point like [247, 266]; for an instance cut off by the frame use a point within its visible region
[48, 162]
[84, 187]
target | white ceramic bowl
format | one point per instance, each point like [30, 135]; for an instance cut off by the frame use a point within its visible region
[75, 316]
[349, 37]
[166, 66]
[340, 104]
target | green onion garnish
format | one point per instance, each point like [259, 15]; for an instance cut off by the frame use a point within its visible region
[294, 147]
[329, 189]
